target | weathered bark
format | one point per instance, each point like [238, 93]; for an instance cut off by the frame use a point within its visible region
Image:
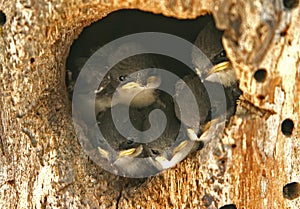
[42, 164]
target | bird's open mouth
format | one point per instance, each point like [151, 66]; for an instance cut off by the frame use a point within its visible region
[218, 67]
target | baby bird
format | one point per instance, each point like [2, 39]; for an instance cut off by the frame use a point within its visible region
[138, 144]
[209, 41]
[128, 78]
[160, 153]
[215, 87]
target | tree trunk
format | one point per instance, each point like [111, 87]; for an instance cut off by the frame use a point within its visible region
[42, 165]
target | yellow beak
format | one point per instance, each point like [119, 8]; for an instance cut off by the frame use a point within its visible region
[218, 68]
[103, 153]
[210, 123]
[133, 152]
[180, 147]
[130, 85]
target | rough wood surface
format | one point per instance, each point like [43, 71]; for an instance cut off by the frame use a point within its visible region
[42, 164]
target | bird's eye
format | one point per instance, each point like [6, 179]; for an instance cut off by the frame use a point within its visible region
[223, 53]
[122, 78]
[155, 152]
[129, 142]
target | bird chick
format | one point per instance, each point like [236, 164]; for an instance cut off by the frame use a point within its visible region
[217, 91]
[207, 98]
[127, 78]
[161, 152]
[209, 41]
[124, 147]
[165, 145]
[187, 103]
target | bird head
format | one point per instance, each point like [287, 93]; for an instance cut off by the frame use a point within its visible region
[129, 77]
[209, 41]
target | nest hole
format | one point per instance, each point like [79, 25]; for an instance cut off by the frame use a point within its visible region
[229, 206]
[290, 4]
[260, 75]
[261, 97]
[291, 190]
[287, 127]
[2, 18]
[32, 60]
[125, 22]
